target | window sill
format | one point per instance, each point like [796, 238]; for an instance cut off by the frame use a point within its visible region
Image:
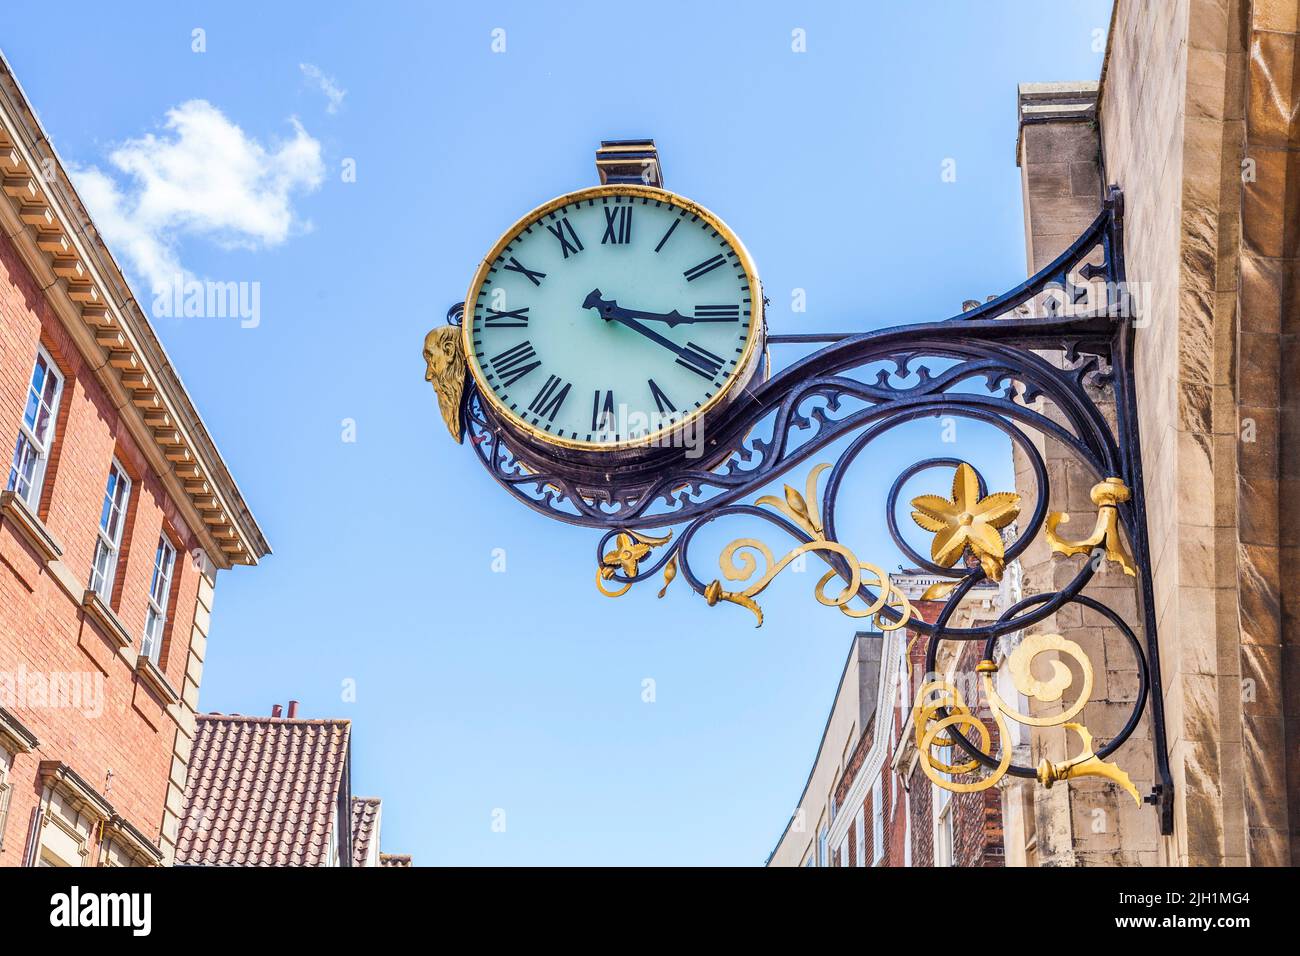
[148, 670]
[14, 508]
[106, 618]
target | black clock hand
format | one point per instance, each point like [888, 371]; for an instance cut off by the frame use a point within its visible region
[610, 310]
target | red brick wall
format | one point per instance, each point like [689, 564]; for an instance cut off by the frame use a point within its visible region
[920, 809]
[851, 771]
[42, 627]
[977, 817]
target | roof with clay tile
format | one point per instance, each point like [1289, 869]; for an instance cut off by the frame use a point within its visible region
[262, 791]
[365, 827]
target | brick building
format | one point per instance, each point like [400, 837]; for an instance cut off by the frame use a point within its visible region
[866, 801]
[117, 512]
[277, 791]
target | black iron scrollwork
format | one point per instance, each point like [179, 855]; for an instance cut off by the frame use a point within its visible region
[985, 366]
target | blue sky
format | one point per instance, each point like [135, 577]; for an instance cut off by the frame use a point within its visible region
[521, 691]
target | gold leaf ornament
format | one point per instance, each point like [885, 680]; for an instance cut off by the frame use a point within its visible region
[630, 549]
[967, 521]
[750, 560]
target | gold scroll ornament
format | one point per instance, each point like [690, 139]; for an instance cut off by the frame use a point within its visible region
[1106, 495]
[738, 563]
[934, 732]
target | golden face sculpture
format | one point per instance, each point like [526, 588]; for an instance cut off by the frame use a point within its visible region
[445, 368]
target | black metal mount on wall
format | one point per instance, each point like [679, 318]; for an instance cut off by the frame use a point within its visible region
[1065, 336]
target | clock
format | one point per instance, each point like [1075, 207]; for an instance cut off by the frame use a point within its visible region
[613, 319]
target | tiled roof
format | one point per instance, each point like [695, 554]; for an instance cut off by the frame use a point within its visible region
[365, 820]
[262, 791]
[395, 859]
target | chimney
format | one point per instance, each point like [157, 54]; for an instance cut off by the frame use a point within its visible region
[293, 709]
[275, 710]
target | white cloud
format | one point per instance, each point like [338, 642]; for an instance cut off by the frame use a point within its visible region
[202, 176]
[333, 92]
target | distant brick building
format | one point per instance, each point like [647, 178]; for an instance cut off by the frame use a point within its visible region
[277, 791]
[116, 513]
[867, 802]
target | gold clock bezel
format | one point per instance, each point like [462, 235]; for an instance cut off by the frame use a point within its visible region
[744, 367]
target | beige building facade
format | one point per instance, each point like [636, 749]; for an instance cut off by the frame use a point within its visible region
[1195, 119]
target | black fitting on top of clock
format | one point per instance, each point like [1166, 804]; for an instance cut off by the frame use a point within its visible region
[629, 161]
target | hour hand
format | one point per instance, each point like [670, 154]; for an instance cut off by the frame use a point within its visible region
[594, 301]
[610, 309]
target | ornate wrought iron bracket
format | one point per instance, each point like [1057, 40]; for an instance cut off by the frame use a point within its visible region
[1048, 361]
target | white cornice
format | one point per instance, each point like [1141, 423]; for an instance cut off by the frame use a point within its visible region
[883, 729]
[42, 214]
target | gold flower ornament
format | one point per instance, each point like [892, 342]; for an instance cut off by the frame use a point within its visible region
[630, 549]
[967, 521]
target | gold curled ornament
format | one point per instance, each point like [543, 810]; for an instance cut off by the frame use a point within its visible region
[1107, 495]
[967, 521]
[938, 694]
[738, 563]
[933, 732]
[1086, 764]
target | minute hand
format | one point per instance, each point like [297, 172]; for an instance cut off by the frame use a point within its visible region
[610, 310]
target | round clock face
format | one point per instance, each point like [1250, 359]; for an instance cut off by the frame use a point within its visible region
[612, 317]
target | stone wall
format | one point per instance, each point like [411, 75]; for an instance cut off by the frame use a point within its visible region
[1198, 124]
[1089, 822]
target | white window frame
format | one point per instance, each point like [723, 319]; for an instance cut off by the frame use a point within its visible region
[28, 441]
[860, 828]
[108, 540]
[877, 823]
[6, 791]
[943, 829]
[906, 804]
[155, 622]
[823, 846]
